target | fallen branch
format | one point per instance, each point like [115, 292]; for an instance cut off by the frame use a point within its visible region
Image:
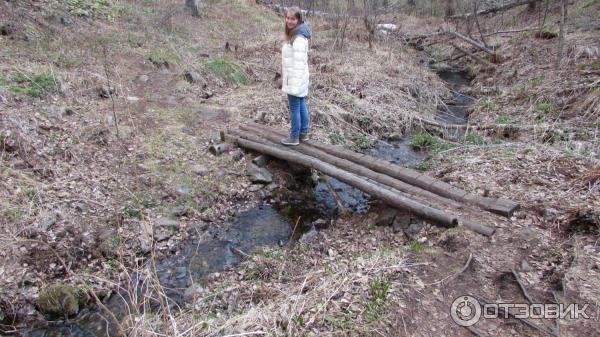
[492, 10]
[472, 42]
[471, 55]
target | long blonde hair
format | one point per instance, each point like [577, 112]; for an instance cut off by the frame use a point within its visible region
[298, 14]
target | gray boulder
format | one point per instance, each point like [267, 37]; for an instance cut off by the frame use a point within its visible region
[259, 175]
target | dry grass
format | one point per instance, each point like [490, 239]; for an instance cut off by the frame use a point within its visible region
[353, 91]
[285, 292]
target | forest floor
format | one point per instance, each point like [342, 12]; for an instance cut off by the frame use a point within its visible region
[108, 110]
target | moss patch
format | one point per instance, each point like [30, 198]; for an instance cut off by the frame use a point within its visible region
[228, 70]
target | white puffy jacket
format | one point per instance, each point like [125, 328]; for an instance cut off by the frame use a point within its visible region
[294, 61]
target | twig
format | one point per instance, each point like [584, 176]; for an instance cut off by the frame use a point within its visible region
[522, 287]
[241, 252]
[110, 94]
[337, 198]
[107, 311]
[453, 276]
[247, 334]
[474, 331]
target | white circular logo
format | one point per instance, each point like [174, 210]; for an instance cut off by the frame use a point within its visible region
[465, 311]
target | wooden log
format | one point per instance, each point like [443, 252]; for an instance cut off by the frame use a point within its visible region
[218, 149]
[394, 199]
[352, 167]
[471, 55]
[472, 42]
[493, 9]
[414, 178]
[422, 195]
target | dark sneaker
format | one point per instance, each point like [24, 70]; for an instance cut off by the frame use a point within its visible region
[290, 141]
[303, 137]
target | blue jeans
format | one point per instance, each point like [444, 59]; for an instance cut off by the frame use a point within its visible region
[298, 115]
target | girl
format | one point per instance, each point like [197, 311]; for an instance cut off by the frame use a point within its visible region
[294, 64]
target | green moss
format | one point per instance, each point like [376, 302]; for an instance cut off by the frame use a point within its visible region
[416, 246]
[361, 142]
[595, 65]
[24, 91]
[426, 141]
[336, 138]
[107, 9]
[474, 138]
[536, 82]
[422, 140]
[61, 300]
[421, 166]
[33, 85]
[228, 70]
[163, 57]
[504, 119]
[546, 107]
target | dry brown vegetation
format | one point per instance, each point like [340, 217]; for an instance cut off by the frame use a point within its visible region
[75, 198]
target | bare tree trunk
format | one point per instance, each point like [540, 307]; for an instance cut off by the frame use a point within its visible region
[561, 34]
[543, 21]
[477, 22]
[450, 7]
[370, 18]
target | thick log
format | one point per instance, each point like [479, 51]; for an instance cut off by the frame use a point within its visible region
[436, 216]
[472, 42]
[505, 208]
[218, 149]
[352, 167]
[493, 9]
[471, 55]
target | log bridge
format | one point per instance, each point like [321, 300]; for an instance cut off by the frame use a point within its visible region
[432, 199]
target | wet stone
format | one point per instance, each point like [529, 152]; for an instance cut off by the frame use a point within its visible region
[200, 170]
[237, 155]
[166, 222]
[413, 229]
[192, 77]
[386, 217]
[180, 210]
[255, 187]
[311, 236]
[259, 175]
[183, 189]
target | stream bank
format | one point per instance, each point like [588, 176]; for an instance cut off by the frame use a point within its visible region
[273, 223]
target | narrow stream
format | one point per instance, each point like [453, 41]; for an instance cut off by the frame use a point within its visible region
[455, 111]
[260, 225]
